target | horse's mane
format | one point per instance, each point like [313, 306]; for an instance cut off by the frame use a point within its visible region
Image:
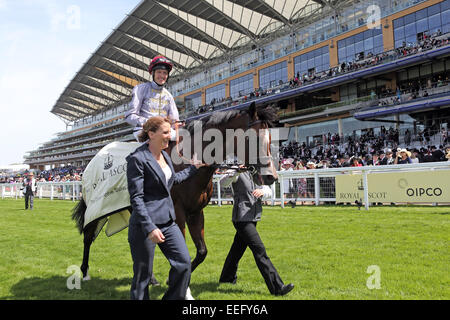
[267, 114]
[213, 120]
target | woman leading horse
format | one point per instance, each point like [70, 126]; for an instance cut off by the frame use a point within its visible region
[191, 196]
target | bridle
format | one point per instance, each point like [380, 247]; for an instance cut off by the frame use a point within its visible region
[253, 168]
[250, 125]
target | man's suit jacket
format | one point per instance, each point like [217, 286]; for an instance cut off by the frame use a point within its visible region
[149, 193]
[29, 189]
[246, 206]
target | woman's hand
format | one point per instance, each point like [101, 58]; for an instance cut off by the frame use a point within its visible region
[258, 193]
[197, 163]
[156, 236]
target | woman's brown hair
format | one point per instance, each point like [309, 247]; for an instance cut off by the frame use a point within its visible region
[152, 125]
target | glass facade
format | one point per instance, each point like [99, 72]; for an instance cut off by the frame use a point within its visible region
[312, 133]
[358, 46]
[217, 92]
[306, 36]
[271, 76]
[410, 28]
[423, 76]
[193, 101]
[241, 86]
[352, 126]
[315, 61]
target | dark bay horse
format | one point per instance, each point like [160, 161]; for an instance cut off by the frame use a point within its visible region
[192, 196]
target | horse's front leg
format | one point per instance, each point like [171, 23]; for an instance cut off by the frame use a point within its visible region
[196, 225]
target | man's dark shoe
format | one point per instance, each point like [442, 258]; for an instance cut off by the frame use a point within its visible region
[285, 289]
[232, 281]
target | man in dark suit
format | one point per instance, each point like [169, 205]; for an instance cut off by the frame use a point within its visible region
[247, 211]
[150, 175]
[437, 154]
[388, 160]
[29, 186]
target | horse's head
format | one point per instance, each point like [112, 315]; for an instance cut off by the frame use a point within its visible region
[242, 134]
[260, 158]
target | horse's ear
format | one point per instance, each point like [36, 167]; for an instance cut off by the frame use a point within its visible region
[252, 110]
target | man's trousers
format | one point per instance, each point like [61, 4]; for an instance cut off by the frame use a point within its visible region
[29, 200]
[247, 236]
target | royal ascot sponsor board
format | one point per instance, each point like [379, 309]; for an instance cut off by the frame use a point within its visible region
[105, 188]
[430, 186]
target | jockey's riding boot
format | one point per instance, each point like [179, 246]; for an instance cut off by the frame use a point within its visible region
[154, 282]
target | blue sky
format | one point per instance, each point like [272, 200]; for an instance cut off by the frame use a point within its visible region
[43, 43]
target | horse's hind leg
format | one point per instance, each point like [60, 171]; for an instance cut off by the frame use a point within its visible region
[89, 235]
[196, 224]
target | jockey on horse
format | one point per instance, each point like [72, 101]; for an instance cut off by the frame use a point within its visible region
[151, 99]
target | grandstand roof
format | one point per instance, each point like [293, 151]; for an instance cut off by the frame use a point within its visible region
[190, 33]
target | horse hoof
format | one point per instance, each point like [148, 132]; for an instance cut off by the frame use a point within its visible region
[188, 295]
[87, 278]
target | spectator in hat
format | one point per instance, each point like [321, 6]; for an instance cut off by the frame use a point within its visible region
[437, 154]
[403, 157]
[381, 157]
[414, 156]
[30, 187]
[427, 155]
[287, 165]
[311, 165]
[388, 159]
[355, 162]
[374, 161]
[310, 181]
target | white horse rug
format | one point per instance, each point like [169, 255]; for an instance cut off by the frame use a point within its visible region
[105, 188]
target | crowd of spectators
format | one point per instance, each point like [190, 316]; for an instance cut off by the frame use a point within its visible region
[364, 61]
[367, 149]
[361, 61]
[60, 174]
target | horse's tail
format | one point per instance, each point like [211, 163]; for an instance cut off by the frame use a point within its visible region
[78, 214]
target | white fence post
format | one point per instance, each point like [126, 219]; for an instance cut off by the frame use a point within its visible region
[219, 200]
[274, 190]
[282, 190]
[366, 190]
[317, 188]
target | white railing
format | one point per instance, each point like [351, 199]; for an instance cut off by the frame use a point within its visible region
[316, 186]
[321, 187]
[54, 190]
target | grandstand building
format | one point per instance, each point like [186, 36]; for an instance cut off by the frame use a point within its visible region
[338, 67]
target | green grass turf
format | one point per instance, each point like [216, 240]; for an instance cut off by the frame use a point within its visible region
[325, 251]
